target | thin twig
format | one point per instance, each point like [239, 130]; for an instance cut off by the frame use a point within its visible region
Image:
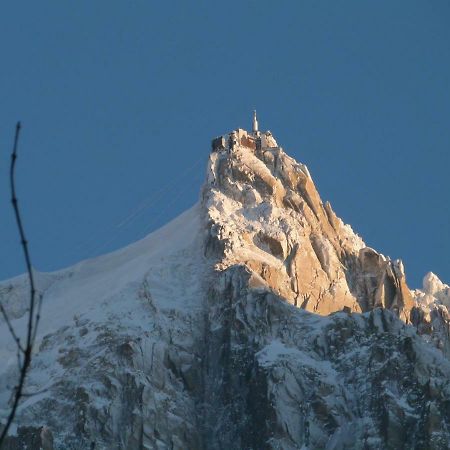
[30, 332]
[32, 394]
[38, 317]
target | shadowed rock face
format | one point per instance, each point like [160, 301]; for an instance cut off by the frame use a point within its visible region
[281, 377]
[30, 438]
[275, 327]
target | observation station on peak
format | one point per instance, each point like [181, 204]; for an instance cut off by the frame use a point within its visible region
[256, 140]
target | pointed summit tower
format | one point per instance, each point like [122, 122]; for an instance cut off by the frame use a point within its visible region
[255, 123]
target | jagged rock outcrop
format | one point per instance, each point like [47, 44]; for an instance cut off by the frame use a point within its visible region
[430, 315]
[255, 320]
[281, 230]
[286, 378]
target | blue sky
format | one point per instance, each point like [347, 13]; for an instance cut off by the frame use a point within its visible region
[119, 102]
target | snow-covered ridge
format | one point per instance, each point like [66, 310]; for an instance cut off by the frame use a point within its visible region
[110, 294]
[84, 286]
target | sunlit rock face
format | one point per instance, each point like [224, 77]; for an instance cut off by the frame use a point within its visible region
[255, 320]
[264, 208]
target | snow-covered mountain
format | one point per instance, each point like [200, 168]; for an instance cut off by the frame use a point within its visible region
[255, 320]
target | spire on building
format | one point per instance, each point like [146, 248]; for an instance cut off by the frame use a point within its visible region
[255, 122]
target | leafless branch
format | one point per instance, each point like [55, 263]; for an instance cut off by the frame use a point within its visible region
[32, 320]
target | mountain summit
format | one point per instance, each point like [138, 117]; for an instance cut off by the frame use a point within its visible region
[255, 320]
[277, 225]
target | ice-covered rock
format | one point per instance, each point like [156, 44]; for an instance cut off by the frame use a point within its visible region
[255, 320]
[434, 287]
[431, 314]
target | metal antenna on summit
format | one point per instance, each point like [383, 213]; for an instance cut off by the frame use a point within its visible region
[255, 122]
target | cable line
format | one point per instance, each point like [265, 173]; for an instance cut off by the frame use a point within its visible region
[148, 203]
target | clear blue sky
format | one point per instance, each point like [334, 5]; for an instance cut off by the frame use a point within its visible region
[120, 99]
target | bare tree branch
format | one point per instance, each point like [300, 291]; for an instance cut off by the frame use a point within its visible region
[32, 321]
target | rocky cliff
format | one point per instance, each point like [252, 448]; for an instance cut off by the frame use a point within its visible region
[281, 231]
[256, 320]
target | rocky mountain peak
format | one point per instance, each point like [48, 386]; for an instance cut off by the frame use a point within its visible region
[255, 320]
[267, 214]
[432, 285]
